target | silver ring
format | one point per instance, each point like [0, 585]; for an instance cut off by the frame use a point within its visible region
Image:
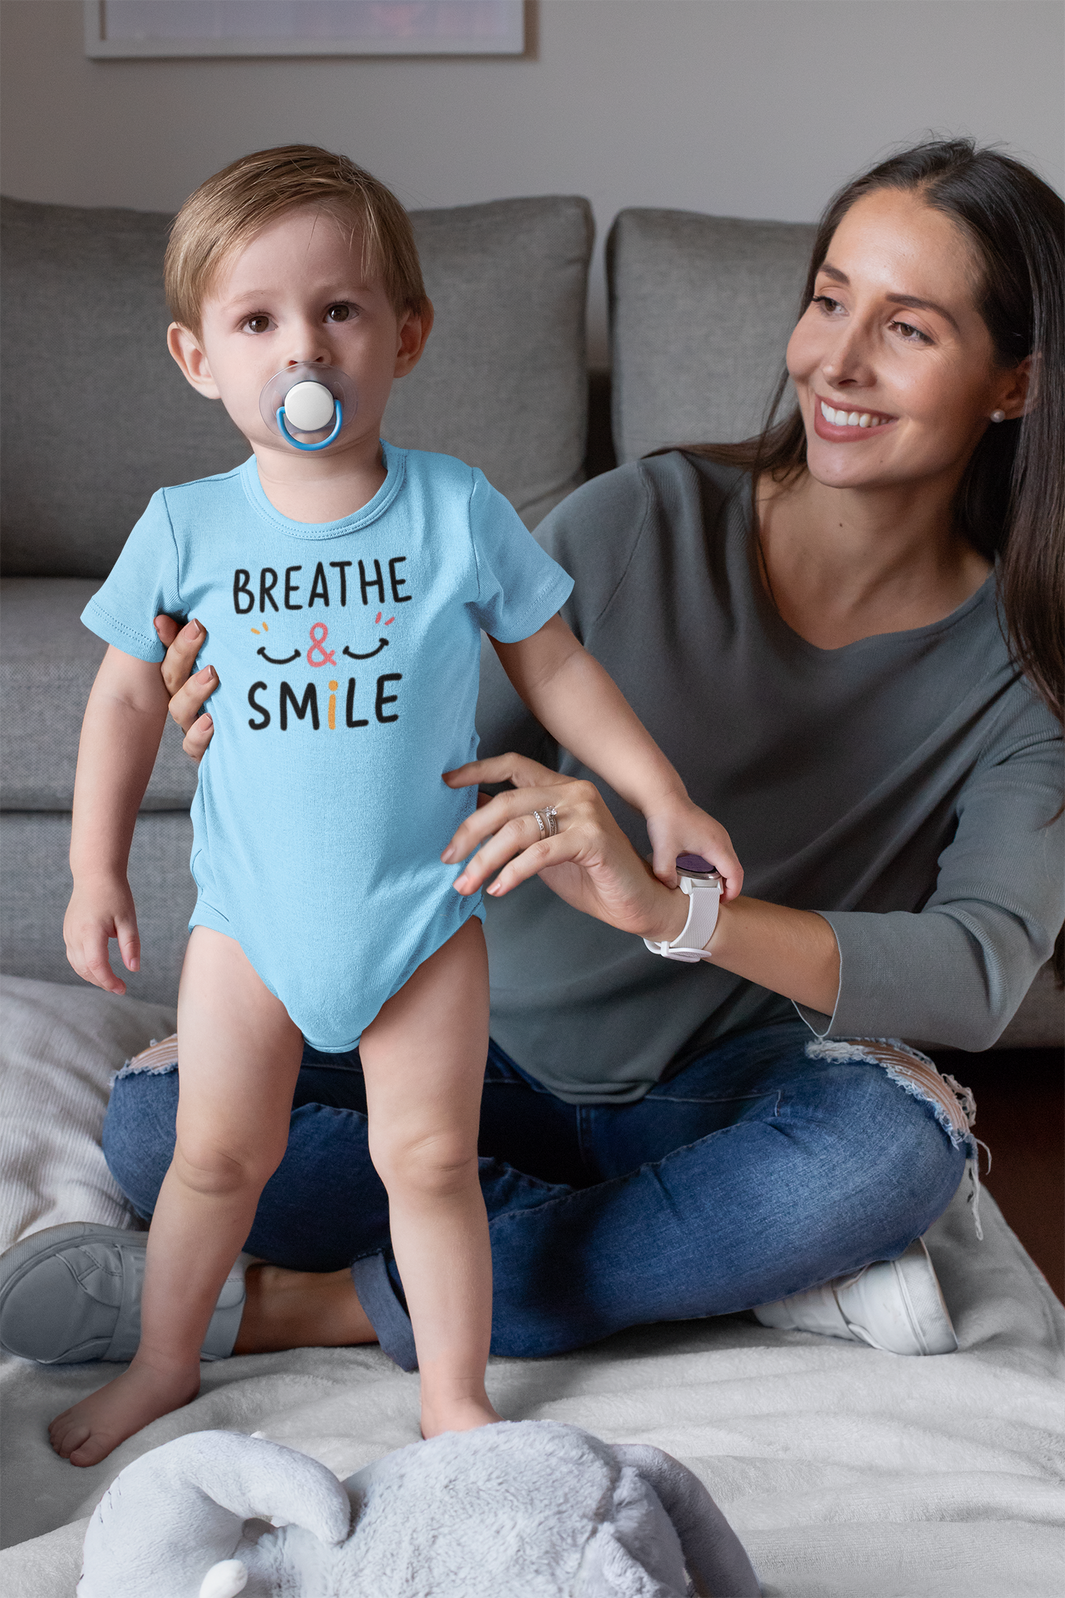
[538, 818]
[551, 816]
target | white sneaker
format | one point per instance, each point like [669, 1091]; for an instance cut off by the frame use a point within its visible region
[893, 1305]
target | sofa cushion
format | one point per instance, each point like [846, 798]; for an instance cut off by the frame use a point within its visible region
[503, 382]
[96, 416]
[700, 312]
[35, 884]
[47, 667]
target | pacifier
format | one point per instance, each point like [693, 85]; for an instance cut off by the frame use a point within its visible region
[308, 399]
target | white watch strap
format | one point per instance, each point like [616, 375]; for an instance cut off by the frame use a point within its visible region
[704, 900]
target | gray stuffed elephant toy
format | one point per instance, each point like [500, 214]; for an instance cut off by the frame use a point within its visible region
[530, 1509]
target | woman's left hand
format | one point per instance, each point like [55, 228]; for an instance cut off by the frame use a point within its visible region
[589, 862]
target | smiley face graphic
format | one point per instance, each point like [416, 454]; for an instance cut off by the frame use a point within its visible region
[273, 659]
[317, 654]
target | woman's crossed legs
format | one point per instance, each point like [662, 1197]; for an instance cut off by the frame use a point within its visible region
[753, 1173]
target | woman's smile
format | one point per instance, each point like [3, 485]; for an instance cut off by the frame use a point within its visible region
[843, 426]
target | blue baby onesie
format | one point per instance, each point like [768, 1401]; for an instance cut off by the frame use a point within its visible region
[347, 655]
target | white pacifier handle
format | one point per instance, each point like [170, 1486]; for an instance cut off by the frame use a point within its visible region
[308, 398]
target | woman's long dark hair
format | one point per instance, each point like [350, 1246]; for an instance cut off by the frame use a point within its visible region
[1010, 503]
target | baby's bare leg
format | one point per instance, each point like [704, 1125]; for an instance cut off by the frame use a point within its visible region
[423, 1060]
[240, 1055]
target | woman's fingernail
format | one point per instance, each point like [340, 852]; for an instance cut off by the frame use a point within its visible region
[495, 889]
[205, 720]
[205, 674]
[448, 855]
[190, 629]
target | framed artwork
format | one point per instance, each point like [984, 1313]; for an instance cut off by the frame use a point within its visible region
[117, 29]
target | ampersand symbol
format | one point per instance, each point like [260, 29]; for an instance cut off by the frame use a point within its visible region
[319, 634]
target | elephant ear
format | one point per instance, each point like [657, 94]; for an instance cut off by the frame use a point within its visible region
[609, 1569]
[713, 1554]
[179, 1510]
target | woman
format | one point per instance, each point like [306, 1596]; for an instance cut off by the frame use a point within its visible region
[846, 635]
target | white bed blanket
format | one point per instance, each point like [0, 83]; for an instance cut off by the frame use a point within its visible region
[846, 1472]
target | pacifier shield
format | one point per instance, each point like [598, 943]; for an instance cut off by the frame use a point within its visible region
[308, 399]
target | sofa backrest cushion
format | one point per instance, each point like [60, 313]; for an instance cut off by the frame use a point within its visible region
[96, 416]
[503, 383]
[701, 308]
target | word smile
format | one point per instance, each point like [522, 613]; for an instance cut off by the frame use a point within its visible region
[306, 708]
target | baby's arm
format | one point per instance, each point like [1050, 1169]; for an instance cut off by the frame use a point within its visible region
[120, 736]
[577, 701]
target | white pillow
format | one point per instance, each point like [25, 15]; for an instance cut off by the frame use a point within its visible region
[61, 1047]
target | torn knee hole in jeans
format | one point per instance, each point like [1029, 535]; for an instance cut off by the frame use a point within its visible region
[158, 1058]
[953, 1105]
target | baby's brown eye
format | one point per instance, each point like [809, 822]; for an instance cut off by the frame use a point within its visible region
[338, 313]
[257, 324]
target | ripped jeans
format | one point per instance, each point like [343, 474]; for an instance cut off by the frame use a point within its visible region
[771, 1163]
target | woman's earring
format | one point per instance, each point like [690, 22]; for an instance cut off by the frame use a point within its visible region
[998, 416]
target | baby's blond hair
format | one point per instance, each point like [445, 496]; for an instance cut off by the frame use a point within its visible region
[227, 211]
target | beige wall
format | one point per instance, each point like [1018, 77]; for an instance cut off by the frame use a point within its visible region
[740, 107]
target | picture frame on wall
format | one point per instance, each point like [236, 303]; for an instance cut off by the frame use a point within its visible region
[135, 29]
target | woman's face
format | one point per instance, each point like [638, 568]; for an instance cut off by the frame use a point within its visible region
[892, 363]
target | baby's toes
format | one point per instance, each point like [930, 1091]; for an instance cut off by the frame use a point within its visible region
[57, 1428]
[66, 1434]
[92, 1450]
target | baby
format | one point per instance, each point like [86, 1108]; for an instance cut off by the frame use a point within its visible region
[343, 584]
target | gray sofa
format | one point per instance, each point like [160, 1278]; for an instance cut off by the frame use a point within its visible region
[96, 416]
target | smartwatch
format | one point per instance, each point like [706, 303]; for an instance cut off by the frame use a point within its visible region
[702, 884]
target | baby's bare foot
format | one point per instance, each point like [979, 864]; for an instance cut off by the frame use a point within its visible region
[456, 1415]
[88, 1432]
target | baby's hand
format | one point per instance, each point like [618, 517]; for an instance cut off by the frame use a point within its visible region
[98, 911]
[680, 827]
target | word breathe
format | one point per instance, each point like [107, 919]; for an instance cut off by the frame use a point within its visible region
[365, 582]
[289, 704]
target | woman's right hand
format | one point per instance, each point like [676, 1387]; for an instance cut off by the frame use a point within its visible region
[187, 693]
[589, 862]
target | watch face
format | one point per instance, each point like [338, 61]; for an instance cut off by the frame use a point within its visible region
[693, 865]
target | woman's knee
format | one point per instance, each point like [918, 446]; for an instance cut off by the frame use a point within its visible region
[916, 1142]
[907, 1101]
[139, 1132]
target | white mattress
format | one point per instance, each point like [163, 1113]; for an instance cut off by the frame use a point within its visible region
[845, 1471]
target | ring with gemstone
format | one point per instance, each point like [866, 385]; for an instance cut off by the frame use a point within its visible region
[538, 818]
[551, 817]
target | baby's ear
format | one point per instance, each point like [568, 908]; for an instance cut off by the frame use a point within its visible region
[189, 353]
[414, 330]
